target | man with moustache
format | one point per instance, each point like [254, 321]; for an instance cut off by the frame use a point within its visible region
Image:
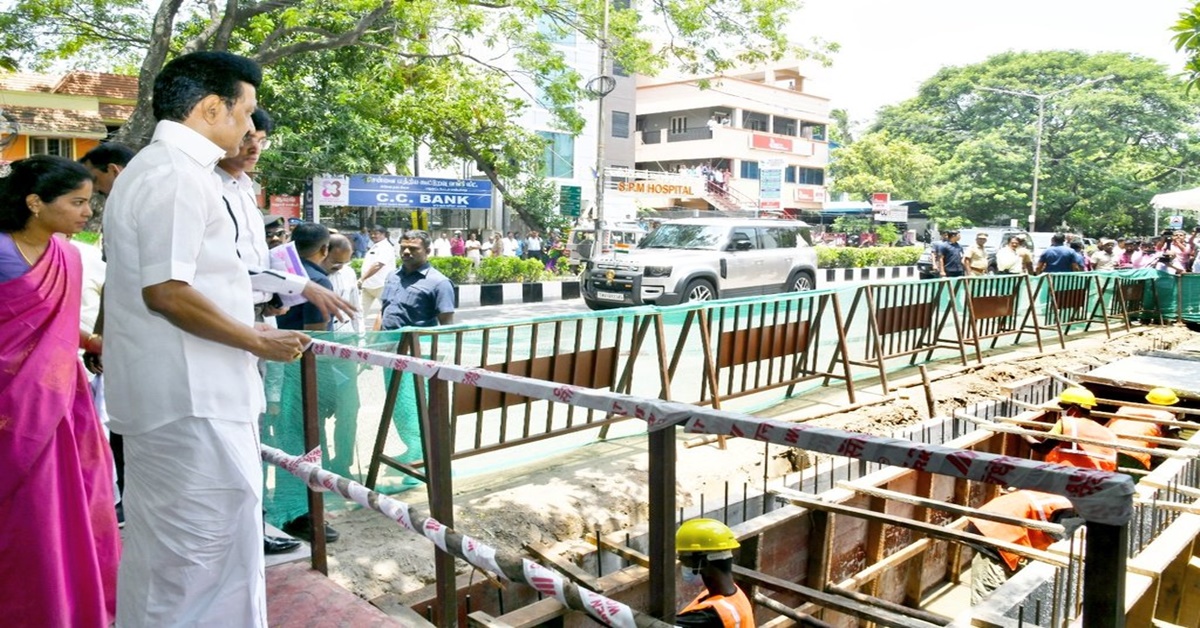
[181, 359]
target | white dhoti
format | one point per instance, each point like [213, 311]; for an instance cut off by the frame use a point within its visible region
[193, 543]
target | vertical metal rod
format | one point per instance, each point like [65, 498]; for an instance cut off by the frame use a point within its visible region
[312, 440]
[703, 511]
[1104, 597]
[1055, 602]
[726, 511]
[438, 450]
[662, 478]
[599, 553]
[745, 496]
[766, 465]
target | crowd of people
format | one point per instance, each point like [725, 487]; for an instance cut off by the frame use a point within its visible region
[165, 338]
[1173, 252]
[532, 246]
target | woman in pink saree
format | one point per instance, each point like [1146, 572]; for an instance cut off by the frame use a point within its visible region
[59, 545]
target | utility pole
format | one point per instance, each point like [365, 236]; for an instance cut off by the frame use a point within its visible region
[601, 86]
[1041, 121]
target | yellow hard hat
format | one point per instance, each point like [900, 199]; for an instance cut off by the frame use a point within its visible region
[1078, 395]
[1162, 397]
[704, 535]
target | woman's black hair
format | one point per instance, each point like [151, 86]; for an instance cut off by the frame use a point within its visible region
[46, 176]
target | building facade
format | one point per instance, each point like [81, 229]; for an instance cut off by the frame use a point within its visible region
[753, 139]
[64, 115]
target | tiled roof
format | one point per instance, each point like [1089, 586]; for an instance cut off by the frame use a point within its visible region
[112, 111]
[44, 120]
[100, 84]
[26, 82]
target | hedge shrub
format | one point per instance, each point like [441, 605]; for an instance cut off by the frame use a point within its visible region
[851, 257]
[509, 270]
[457, 269]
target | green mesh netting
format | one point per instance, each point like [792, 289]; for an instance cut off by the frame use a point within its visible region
[350, 403]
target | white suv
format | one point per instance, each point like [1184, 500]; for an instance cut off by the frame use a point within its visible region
[700, 259]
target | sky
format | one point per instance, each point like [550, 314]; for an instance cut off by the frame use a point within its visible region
[889, 47]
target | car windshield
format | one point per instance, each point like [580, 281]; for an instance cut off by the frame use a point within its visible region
[709, 237]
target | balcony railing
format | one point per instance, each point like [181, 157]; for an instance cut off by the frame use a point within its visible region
[690, 135]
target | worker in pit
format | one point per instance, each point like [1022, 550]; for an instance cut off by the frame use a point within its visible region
[992, 567]
[1131, 431]
[705, 549]
[1075, 420]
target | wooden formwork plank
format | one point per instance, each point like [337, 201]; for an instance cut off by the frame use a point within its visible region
[809, 501]
[962, 511]
[831, 601]
[1189, 611]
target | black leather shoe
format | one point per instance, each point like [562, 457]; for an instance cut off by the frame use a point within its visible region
[278, 544]
[301, 528]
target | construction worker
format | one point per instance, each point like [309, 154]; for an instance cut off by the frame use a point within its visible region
[1130, 430]
[992, 567]
[1076, 421]
[705, 548]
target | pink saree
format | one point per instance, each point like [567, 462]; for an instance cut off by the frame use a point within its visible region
[59, 543]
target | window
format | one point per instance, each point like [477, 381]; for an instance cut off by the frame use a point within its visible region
[60, 147]
[749, 169]
[678, 125]
[783, 126]
[618, 69]
[782, 237]
[789, 174]
[747, 235]
[558, 160]
[620, 124]
[754, 121]
[812, 131]
[811, 176]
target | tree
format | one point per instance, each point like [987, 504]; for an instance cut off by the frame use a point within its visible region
[382, 75]
[877, 162]
[1106, 148]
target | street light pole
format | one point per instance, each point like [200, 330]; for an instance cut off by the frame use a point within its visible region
[1041, 121]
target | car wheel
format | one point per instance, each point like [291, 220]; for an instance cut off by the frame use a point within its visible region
[801, 282]
[699, 290]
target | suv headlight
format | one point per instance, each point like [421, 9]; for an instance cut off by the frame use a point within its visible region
[658, 271]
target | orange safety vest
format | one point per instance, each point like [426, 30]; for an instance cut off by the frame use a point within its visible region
[1031, 505]
[1079, 454]
[735, 610]
[1129, 431]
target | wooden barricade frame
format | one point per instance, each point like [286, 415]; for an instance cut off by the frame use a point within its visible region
[992, 307]
[1068, 293]
[571, 364]
[773, 343]
[1129, 298]
[900, 325]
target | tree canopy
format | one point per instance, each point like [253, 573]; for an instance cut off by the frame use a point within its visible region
[355, 85]
[1107, 146]
[876, 162]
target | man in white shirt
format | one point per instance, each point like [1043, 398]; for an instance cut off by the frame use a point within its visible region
[510, 245]
[1013, 258]
[183, 386]
[377, 264]
[441, 246]
[1104, 258]
[250, 233]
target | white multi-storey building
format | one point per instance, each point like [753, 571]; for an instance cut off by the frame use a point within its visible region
[728, 132]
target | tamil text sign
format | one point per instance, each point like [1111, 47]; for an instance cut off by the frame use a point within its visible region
[770, 184]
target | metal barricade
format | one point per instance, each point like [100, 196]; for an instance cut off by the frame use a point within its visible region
[1071, 300]
[996, 306]
[758, 345]
[906, 319]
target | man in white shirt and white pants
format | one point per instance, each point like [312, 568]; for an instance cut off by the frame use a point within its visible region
[180, 361]
[379, 262]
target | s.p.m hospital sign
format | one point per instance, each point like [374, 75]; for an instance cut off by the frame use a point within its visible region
[381, 190]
